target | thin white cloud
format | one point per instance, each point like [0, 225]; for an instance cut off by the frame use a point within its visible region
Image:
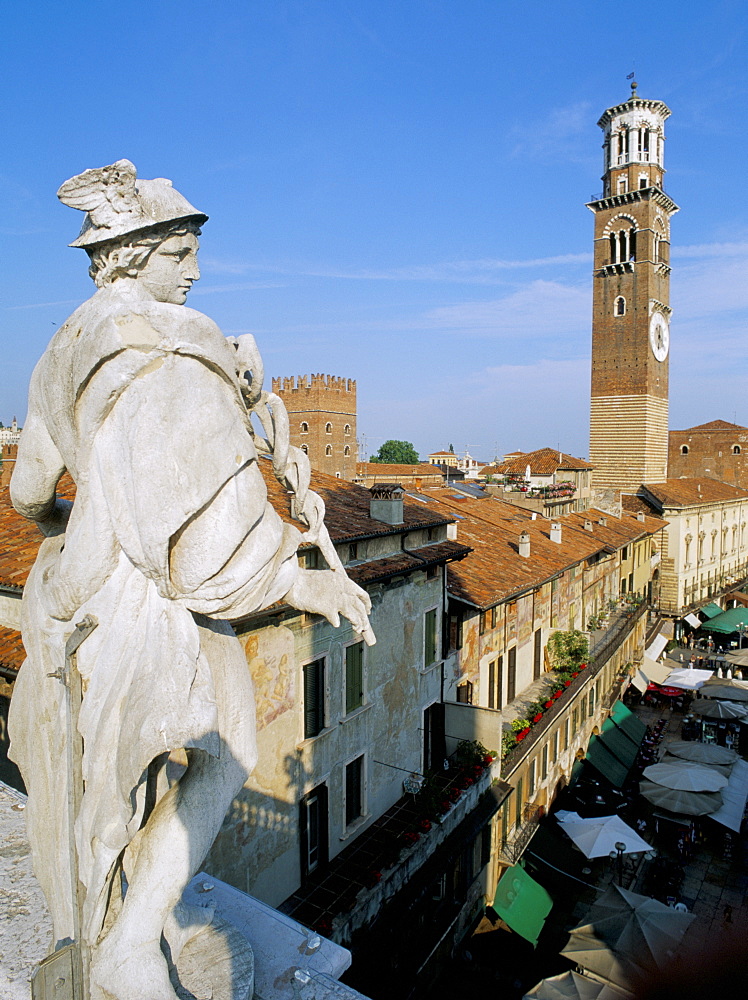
[42, 305]
[555, 136]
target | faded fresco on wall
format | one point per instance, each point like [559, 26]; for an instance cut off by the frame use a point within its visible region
[270, 656]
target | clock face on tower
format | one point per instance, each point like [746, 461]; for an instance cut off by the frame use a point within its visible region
[659, 336]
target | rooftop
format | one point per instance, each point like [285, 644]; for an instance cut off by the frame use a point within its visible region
[542, 462]
[690, 492]
[712, 425]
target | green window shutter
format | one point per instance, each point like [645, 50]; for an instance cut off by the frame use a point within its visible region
[429, 646]
[314, 698]
[354, 676]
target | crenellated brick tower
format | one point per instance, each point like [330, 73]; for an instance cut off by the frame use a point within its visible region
[322, 413]
[631, 300]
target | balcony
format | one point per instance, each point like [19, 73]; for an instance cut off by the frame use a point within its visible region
[350, 892]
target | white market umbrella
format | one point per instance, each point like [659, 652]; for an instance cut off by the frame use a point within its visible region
[739, 658]
[597, 836]
[702, 753]
[574, 986]
[685, 775]
[688, 678]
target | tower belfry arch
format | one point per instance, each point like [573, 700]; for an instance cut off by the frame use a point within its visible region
[631, 299]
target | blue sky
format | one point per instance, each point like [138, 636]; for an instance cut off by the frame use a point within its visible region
[396, 190]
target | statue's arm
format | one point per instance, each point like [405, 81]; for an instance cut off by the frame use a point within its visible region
[37, 471]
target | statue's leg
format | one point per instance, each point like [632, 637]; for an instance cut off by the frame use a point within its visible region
[129, 963]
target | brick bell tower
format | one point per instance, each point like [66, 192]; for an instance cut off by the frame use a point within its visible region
[322, 417]
[631, 300]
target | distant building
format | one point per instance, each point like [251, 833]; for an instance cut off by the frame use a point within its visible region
[423, 474]
[545, 480]
[322, 415]
[443, 458]
[10, 435]
[718, 450]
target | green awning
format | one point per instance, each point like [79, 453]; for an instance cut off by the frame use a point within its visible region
[711, 610]
[625, 719]
[606, 762]
[521, 903]
[616, 740]
[726, 621]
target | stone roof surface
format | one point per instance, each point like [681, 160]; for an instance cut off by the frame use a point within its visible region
[688, 492]
[12, 653]
[372, 468]
[542, 462]
[712, 425]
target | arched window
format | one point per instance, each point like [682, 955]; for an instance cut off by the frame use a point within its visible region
[347, 430]
[328, 450]
[736, 449]
[304, 427]
[328, 428]
[305, 449]
[620, 306]
[684, 449]
[346, 451]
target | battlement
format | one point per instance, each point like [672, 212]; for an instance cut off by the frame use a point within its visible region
[306, 384]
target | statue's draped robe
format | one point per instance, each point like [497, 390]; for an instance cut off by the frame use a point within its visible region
[170, 532]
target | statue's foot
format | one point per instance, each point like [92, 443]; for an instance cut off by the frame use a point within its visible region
[183, 924]
[121, 971]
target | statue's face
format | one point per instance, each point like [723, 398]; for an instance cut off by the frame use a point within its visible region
[171, 268]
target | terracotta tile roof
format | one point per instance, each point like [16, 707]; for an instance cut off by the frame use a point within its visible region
[12, 653]
[347, 519]
[689, 492]
[494, 571]
[369, 469]
[543, 462]
[430, 555]
[713, 425]
[440, 453]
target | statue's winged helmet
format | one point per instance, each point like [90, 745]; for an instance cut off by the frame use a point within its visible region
[117, 203]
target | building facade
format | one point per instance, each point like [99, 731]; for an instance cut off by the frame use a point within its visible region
[631, 299]
[322, 415]
[717, 450]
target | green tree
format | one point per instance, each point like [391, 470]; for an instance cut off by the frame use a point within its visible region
[396, 453]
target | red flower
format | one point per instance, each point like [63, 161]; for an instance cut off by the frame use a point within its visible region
[558, 694]
[538, 717]
[410, 837]
[372, 878]
[521, 734]
[567, 683]
[444, 806]
[548, 704]
[488, 760]
[425, 824]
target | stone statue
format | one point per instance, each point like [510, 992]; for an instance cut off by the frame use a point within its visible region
[148, 407]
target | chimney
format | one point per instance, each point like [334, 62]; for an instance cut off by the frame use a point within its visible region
[602, 520]
[452, 532]
[386, 504]
[640, 515]
[524, 545]
[556, 532]
[9, 461]
[588, 525]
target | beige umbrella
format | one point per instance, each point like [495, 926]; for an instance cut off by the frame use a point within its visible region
[574, 986]
[676, 800]
[739, 658]
[719, 709]
[725, 687]
[724, 769]
[685, 775]
[627, 937]
[702, 753]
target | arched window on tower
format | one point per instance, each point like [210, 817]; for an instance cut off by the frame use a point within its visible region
[620, 306]
[623, 248]
[684, 449]
[347, 430]
[305, 449]
[328, 450]
[736, 449]
[328, 428]
[613, 248]
[304, 427]
[347, 451]
[632, 245]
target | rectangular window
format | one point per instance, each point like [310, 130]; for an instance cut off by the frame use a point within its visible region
[574, 722]
[455, 631]
[511, 680]
[625, 552]
[583, 708]
[537, 654]
[465, 693]
[352, 552]
[495, 614]
[354, 676]
[429, 637]
[354, 796]
[544, 763]
[314, 698]
[532, 780]
[313, 830]
[483, 621]
[554, 745]
[566, 735]
[519, 801]
[495, 682]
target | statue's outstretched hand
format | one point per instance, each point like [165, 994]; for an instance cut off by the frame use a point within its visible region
[332, 594]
